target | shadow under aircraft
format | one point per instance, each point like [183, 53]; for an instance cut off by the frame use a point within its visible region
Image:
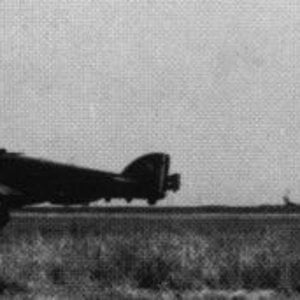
[28, 181]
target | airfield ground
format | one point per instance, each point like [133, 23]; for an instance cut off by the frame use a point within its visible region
[150, 255]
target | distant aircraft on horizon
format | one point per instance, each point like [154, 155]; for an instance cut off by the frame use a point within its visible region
[27, 181]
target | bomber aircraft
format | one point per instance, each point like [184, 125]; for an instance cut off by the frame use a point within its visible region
[28, 181]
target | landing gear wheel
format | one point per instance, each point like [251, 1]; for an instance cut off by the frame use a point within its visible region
[152, 201]
[128, 200]
[4, 215]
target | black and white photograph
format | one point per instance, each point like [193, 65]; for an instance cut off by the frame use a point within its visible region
[150, 149]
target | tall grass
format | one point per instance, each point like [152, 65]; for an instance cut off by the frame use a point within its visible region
[184, 261]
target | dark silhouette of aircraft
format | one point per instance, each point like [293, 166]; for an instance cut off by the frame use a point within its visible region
[27, 181]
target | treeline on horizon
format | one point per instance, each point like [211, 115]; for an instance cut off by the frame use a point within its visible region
[293, 208]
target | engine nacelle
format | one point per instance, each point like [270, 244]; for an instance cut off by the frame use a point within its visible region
[173, 182]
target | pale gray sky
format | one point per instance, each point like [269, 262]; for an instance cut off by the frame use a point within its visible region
[213, 83]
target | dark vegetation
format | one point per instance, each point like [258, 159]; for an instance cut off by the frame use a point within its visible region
[99, 256]
[287, 207]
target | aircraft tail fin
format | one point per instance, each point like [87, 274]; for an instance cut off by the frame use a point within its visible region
[154, 169]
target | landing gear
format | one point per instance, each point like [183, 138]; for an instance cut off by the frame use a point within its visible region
[128, 200]
[4, 215]
[152, 201]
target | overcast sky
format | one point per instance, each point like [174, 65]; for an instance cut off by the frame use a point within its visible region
[213, 83]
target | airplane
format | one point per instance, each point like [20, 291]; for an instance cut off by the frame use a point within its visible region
[27, 181]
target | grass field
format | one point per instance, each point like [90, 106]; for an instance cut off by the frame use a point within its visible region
[134, 257]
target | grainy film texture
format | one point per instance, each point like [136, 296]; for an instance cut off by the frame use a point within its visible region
[96, 84]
